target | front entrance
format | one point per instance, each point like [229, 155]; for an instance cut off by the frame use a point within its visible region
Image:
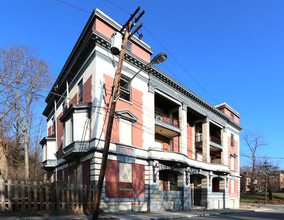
[196, 190]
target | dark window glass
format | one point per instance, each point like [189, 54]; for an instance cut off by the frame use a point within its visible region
[129, 46]
[232, 140]
[80, 91]
[124, 88]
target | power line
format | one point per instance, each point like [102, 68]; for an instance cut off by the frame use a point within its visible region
[179, 64]
[122, 9]
[73, 6]
[147, 113]
[152, 36]
[169, 53]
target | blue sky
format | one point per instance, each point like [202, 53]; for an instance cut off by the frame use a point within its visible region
[226, 51]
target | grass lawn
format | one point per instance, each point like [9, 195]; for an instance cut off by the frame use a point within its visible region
[278, 198]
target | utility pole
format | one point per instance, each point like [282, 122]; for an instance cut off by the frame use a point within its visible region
[266, 169]
[115, 94]
[265, 172]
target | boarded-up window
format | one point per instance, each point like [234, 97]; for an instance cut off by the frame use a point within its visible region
[125, 173]
[232, 186]
[125, 128]
[124, 180]
[232, 163]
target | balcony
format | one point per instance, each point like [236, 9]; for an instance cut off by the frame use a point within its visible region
[215, 140]
[166, 119]
[76, 148]
[166, 125]
[48, 152]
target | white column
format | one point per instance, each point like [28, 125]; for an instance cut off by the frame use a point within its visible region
[150, 129]
[206, 140]
[225, 146]
[183, 127]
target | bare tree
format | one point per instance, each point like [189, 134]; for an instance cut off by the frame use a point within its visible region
[254, 141]
[24, 76]
[270, 176]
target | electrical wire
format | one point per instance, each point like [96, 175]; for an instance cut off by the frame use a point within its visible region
[152, 132]
[61, 96]
[73, 6]
[159, 42]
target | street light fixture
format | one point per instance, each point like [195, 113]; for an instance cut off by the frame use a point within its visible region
[159, 58]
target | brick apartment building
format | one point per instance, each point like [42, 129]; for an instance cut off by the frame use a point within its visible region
[169, 149]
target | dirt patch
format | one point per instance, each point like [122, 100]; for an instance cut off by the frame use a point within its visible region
[248, 207]
[272, 202]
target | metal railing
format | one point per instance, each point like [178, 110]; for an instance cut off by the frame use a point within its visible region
[215, 140]
[198, 138]
[166, 119]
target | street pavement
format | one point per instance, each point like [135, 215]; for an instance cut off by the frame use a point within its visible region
[264, 212]
[144, 216]
[268, 211]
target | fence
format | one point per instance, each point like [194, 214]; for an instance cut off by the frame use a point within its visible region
[21, 196]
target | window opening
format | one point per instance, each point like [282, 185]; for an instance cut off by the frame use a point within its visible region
[80, 91]
[124, 88]
[129, 46]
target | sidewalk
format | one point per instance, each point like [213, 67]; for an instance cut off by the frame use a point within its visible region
[162, 215]
[176, 214]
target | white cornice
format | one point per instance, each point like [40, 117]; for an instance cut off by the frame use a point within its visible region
[225, 105]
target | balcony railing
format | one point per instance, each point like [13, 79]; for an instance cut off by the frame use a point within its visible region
[198, 138]
[215, 140]
[166, 119]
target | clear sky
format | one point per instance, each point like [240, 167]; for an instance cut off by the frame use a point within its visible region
[224, 51]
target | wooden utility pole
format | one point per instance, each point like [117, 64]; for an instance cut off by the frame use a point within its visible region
[266, 166]
[114, 97]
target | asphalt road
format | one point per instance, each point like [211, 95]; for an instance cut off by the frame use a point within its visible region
[264, 213]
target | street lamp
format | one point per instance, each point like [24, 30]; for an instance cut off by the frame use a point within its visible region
[159, 58]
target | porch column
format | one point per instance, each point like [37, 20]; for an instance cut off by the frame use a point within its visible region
[154, 199]
[226, 192]
[206, 140]
[186, 190]
[224, 156]
[150, 128]
[206, 191]
[183, 128]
